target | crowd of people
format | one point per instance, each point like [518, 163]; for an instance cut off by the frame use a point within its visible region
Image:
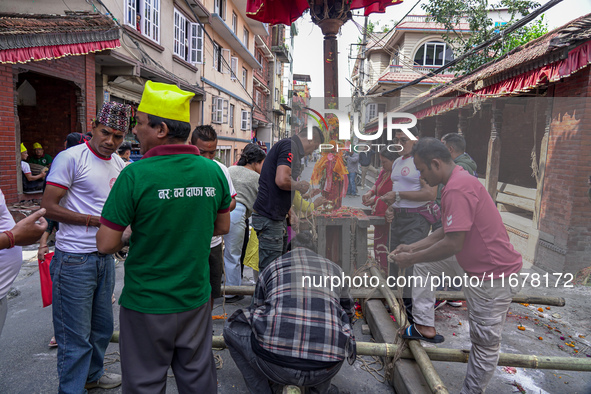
[434, 206]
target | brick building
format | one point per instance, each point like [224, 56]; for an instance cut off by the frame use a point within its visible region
[46, 91]
[526, 119]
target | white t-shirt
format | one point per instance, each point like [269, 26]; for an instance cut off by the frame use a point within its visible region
[406, 178]
[88, 178]
[10, 259]
[25, 167]
[216, 240]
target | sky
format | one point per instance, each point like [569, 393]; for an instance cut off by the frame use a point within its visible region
[307, 51]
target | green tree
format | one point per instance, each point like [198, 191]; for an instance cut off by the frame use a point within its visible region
[476, 13]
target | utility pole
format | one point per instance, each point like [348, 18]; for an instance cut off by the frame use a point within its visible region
[362, 63]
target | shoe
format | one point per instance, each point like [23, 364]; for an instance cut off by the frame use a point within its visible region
[439, 304]
[107, 381]
[455, 304]
[52, 342]
[233, 299]
[411, 332]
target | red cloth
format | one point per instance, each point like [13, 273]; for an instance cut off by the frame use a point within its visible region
[276, 11]
[577, 59]
[286, 12]
[24, 55]
[45, 278]
[382, 233]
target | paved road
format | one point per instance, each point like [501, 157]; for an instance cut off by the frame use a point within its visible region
[28, 365]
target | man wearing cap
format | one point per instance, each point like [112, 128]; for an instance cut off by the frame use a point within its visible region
[39, 156]
[30, 182]
[174, 200]
[83, 279]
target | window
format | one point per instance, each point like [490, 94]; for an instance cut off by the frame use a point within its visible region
[144, 16]
[260, 57]
[219, 110]
[221, 58]
[257, 97]
[234, 67]
[245, 120]
[231, 115]
[373, 109]
[276, 95]
[219, 7]
[433, 54]
[188, 39]
[278, 67]
[234, 23]
[245, 38]
[244, 77]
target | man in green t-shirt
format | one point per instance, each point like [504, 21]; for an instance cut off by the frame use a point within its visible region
[174, 200]
[39, 156]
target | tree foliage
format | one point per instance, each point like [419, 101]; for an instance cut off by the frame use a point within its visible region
[477, 13]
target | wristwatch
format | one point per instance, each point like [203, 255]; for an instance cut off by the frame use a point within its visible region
[397, 198]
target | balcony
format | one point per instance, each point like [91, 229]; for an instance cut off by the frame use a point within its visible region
[220, 27]
[282, 52]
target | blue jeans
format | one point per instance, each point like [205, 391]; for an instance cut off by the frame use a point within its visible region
[233, 245]
[272, 236]
[352, 188]
[82, 315]
[257, 372]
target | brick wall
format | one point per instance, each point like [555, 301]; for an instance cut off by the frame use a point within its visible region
[54, 116]
[66, 102]
[8, 153]
[566, 210]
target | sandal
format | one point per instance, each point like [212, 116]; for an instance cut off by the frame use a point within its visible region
[411, 332]
[53, 342]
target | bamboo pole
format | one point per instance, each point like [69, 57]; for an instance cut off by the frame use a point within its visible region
[461, 356]
[420, 356]
[440, 295]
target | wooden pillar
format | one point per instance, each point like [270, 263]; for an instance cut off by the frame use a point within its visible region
[493, 159]
[438, 127]
[462, 122]
[330, 28]
[542, 161]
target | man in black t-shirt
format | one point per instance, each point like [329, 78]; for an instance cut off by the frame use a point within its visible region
[278, 180]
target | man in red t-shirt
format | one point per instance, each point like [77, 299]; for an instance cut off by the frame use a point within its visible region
[472, 230]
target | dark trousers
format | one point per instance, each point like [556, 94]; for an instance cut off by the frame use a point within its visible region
[407, 228]
[151, 343]
[257, 372]
[272, 236]
[216, 262]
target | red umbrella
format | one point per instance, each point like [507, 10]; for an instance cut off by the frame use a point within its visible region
[286, 12]
[329, 15]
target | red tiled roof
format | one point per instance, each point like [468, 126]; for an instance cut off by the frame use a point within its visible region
[412, 25]
[26, 37]
[407, 77]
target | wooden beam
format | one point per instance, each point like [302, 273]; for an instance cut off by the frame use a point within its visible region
[519, 202]
[440, 295]
[427, 368]
[406, 376]
[542, 162]
[493, 159]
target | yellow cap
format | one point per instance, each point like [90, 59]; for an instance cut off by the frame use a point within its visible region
[166, 101]
[23, 148]
[37, 145]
